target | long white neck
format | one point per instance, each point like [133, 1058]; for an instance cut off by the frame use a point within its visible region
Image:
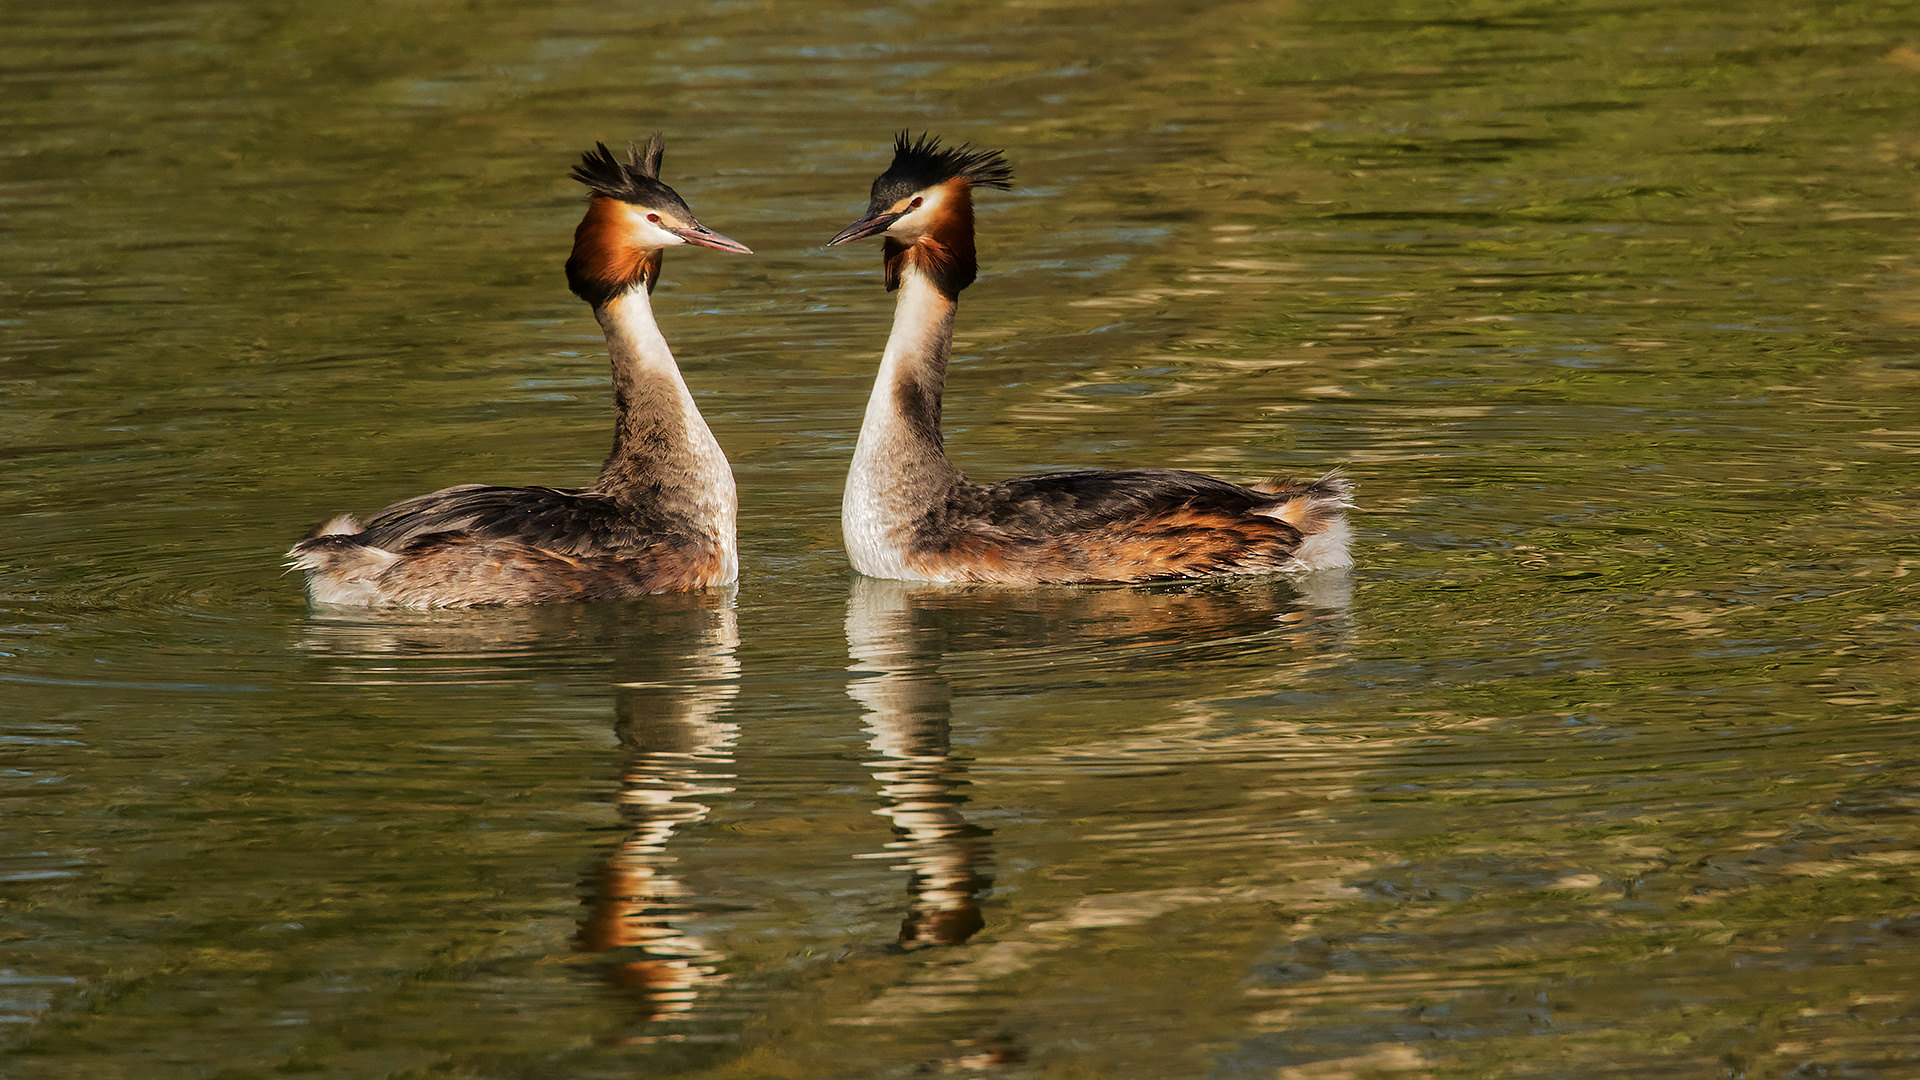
[664, 455]
[899, 465]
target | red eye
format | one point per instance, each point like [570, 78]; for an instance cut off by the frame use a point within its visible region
[915, 204]
[655, 218]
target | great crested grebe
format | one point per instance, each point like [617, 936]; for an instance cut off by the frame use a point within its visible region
[909, 513]
[661, 516]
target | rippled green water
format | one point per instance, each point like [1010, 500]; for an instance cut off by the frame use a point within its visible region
[1601, 763]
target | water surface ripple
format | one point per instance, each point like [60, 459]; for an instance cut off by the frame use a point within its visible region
[1600, 763]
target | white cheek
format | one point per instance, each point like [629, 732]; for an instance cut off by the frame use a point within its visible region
[655, 236]
[650, 234]
[913, 224]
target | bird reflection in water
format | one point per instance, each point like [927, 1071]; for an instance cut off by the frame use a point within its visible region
[674, 661]
[909, 716]
[905, 635]
[917, 647]
[676, 751]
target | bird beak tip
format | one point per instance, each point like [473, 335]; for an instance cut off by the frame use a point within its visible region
[707, 238]
[865, 227]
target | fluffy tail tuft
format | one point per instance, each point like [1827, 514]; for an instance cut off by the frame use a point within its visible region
[1318, 509]
[337, 525]
[340, 569]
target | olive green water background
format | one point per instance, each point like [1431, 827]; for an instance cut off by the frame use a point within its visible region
[1601, 763]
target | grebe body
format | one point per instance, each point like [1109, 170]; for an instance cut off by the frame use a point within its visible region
[660, 518]
[909, 513]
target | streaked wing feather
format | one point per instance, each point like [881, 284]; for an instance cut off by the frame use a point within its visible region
[1068, 502]
[564, 522]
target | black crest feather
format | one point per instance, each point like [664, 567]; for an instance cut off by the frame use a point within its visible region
[919, 164]
[635, 180]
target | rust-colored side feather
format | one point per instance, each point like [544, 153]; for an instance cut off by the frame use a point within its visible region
[1177, 544]
[1127, 525]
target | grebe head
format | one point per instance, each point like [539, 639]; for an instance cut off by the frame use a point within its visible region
[923, 206]
[925, 185]
[631, 218]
